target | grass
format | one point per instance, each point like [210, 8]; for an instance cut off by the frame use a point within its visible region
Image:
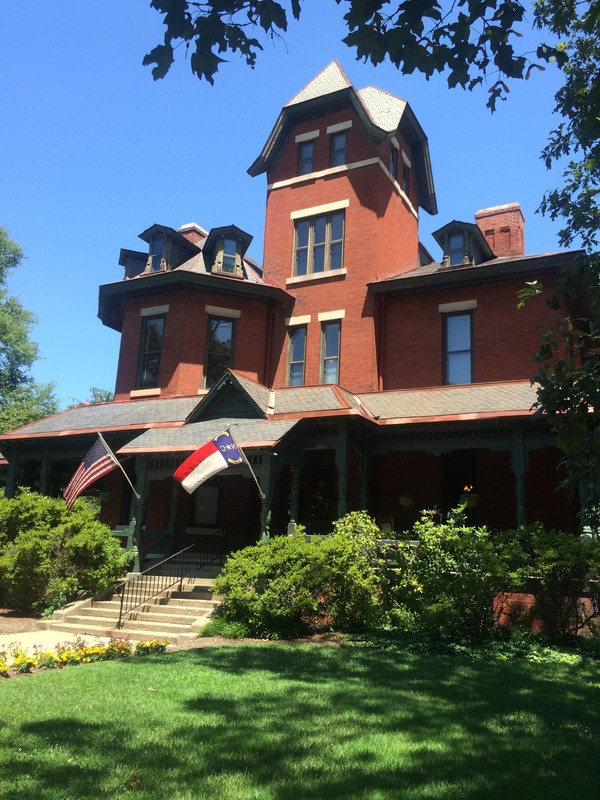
[269, 722]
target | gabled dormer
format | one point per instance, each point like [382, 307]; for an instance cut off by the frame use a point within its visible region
[463, 244]
[224, 251]
[167, 250]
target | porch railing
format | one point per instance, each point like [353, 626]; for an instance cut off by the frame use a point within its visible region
[159, 577]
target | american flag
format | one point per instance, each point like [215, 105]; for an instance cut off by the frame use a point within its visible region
[98, 462]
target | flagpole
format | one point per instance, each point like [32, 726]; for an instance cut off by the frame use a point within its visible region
[118, 463]
[260, 491]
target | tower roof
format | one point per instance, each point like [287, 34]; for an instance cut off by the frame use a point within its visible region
[380, 112]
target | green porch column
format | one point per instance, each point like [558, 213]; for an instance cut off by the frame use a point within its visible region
[267, 485]
[45, 470]
[341, 462]
[518, 462]
[295, 490]
[141, 469]
[11, 477]
[172, 516]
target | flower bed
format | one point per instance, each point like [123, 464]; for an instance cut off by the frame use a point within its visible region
[15, 659]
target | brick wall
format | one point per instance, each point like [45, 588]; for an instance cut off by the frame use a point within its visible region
[380, 240]
[184, 342]
[503, 228]
[503, 336]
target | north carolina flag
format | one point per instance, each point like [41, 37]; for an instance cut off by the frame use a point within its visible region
[214, 456]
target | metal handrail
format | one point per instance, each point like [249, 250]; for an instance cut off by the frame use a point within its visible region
[148, 584]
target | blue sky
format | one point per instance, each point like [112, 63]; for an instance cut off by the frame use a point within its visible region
[94, 151]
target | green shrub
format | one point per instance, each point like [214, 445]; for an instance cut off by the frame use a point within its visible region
[291, 586]
[447, 584]
[49, 553]
[228, 629]
[562, 573]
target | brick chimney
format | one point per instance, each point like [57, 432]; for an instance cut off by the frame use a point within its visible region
[193, 232]
[503, 228]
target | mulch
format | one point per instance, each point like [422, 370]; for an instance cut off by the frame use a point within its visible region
[17, 621]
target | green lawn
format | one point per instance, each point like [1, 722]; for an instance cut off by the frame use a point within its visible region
[284, 721]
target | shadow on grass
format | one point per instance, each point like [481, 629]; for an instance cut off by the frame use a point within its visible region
[309, 723]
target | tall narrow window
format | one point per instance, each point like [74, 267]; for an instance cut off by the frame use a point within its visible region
[393, 161]
[337, 156]
[457, 348]
[406, 179]
[297, 356]
[330, 352]
[229, 255]
[150, 350]
[219, 348]
[157, 248]
[306, 154]
[456, 249]
[319, 244]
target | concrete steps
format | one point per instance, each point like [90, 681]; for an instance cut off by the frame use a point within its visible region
[174, 616]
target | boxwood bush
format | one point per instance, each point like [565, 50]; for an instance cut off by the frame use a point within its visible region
[47, 553]
[290, 586]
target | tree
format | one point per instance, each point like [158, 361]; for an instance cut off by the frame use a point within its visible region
[96, 396]
[21, 399]
[470, 41]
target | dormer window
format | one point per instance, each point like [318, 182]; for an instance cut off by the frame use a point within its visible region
[227, 257]
[463, 244]
[456, 249]
[157, 254]
[224, 251]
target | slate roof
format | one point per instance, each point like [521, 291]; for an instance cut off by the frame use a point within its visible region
[257, 391]
[302, 399]
[329, 80]
[457, 402]
[247, 432]
[110, 416]
[495, 267]
[385, 109]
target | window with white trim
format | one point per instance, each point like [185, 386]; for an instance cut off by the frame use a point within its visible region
[319, 243]
[296, 356]
[306, 154]
[330, 351]
[337, 152]
[150, 351]
[458, 345]
[219, 348]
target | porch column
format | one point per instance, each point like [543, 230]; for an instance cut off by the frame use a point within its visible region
[45, 470]
[295, 491]
[267, 487]
[341, 462]
[518, 462]
[141, 469]
[11, 477]
[172, 514]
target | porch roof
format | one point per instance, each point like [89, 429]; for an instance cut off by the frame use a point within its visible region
[452, 403]
[247, 432]
[126, 415]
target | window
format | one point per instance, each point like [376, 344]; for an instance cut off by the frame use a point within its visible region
[337, 156]
[457, 348]
[319, 244]
[394, 162]
[151, 346]
[297, 356]
[456, 249]
[157, 247]
[219, 348]
[306, 153]
[229, 255]
[330, 352]
[405, 179]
